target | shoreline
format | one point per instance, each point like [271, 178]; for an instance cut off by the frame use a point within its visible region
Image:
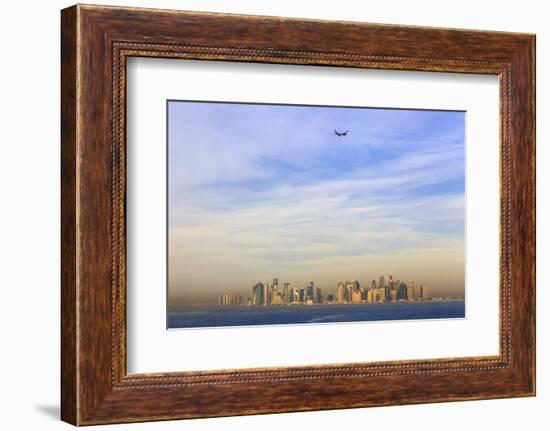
[291, 306]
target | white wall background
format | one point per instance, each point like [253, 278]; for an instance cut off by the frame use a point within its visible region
[29, 216]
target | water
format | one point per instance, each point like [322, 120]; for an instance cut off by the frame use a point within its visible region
[202, 317]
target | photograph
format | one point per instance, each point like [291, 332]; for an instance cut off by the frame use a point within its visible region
[298, 213]
[284, 214]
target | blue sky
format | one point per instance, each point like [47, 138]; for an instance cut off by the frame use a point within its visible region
[257, 191]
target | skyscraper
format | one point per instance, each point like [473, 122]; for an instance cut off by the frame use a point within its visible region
[410, 290]
[225, 300]
[267, 294]
[401, 290]
[310, 291]
[286, 293]
[370, 295]
[424, 293]
[381, 294]
[357, 296]
[276, 297]
[258, 294]
[341, 293]
[350, 287]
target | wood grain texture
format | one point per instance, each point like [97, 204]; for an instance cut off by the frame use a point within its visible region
[96, 41]
[69, 366]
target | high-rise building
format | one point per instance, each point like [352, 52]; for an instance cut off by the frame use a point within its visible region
[357, 296]
[225, 300]
[381, 282]
[373, 284]
[389, 286]
[276, 297]
[291, 292]
[267, 294]
[370, 295]
[286, 293]
[258, 294]
[310, 291]
[381, 294]
[318, 295]
[424, 292]
[341, 293]
[275, 291]
[401, 291]
[350, 287]
[410, 290]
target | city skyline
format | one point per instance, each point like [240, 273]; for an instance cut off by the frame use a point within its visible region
[260, 189]
[385, 288]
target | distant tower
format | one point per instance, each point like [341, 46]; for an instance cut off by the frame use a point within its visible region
[286, 292]
[258, 294]
[424, 293]
[267, 294]
[310, 291]
[291, 294]
[401, 290]
[350, 287]
[318, 295]
[341, 293]
[356, 296]
[382, 294]
[410, 290]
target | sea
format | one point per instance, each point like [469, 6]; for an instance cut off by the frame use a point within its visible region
[214, 316]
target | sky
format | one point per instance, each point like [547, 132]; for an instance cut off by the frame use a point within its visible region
[261, 191]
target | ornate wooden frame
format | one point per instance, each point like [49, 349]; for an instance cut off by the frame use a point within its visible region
[95, 42]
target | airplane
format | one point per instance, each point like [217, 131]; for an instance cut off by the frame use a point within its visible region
[337, 133]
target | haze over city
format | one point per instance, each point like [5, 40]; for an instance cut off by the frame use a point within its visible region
[258, 191]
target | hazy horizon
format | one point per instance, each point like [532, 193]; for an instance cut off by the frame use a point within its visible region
[258, 192]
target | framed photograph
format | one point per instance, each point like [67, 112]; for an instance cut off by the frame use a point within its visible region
[286, 192]
[265, 214]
